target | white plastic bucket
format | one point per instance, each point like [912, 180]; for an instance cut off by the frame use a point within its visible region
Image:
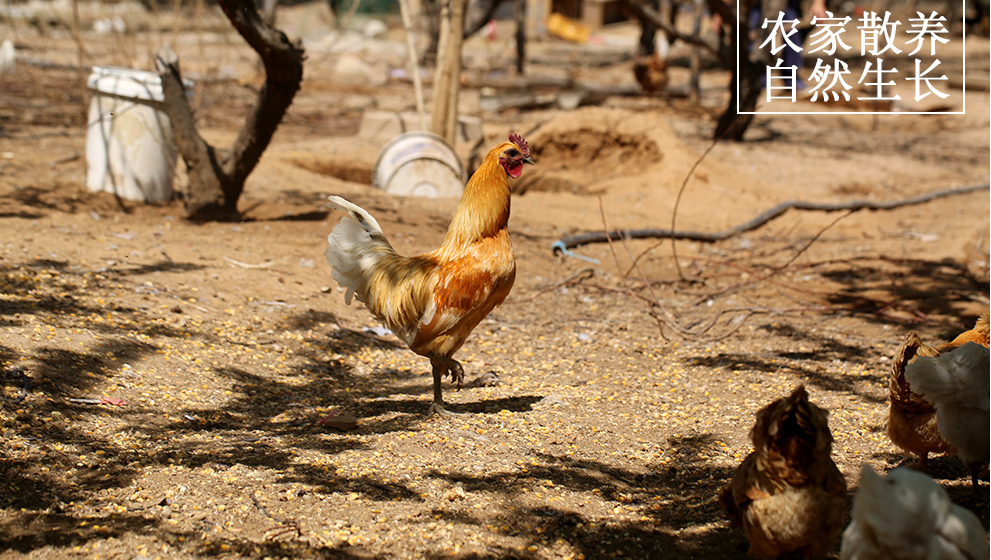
[419, 164]
[129, 145]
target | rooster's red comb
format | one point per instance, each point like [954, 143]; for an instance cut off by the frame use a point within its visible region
[520, 143]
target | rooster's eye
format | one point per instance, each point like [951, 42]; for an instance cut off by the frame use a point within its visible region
[512, 152]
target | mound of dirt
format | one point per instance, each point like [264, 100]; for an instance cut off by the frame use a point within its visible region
[574, 156]
[584, 151]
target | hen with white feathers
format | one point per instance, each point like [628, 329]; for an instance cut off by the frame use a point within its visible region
[908, 516]
[957, 384]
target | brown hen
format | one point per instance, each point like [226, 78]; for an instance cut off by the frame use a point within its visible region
[912, 420]
[788, 495]
[651, 72]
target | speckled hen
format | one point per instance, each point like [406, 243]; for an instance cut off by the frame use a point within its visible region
[788, 495]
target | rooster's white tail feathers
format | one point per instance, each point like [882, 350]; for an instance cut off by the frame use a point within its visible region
[354, 246]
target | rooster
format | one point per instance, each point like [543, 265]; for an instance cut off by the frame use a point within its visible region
[433, 301]
[788, 495]
[957, 384]
[912, 419]
[908, 516]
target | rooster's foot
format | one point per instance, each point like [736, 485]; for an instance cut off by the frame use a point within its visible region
[454, 368]
[922, 465]
[457, 374]
[439, 410]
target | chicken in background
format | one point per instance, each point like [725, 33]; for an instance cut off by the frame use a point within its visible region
[651, 71]
[980, 334]
[433, 301]
[908, 516]
[788, 495]
[912, 419]
[957, 383]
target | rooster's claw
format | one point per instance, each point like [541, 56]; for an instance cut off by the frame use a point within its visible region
[457, 373]
[439, 410]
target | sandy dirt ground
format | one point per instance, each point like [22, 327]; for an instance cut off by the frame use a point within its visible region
[606, 403]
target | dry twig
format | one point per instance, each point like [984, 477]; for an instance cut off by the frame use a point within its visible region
[580, 276]
[266, 264]
[626, 281]
[756, 277]
[284, 525]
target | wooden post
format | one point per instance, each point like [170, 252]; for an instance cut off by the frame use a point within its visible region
[438, 112]
[414, 68]
[444, 117]
[459, 8]
[520, 36]
[694, 91]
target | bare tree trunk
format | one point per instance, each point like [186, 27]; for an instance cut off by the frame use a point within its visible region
[745, 86]
[648, 31]
[217, 176]
[732, 124]
[650, 16]
[434, 47]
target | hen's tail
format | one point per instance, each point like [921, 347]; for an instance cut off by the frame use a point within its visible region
[354, 247]
[899, 389]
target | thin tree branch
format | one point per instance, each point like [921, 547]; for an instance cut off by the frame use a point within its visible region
[809, 244]
[626, 281]
[677, 203]
[655, 300]
[580, 276]
[756, 277]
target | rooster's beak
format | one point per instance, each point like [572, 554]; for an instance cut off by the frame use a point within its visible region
[528, 159]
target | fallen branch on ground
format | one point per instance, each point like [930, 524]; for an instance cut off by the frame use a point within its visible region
[666, 321]
[572, 241]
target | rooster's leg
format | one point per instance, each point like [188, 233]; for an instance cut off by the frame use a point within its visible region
[440, 368]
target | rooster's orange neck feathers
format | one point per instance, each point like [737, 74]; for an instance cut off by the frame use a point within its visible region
[484, 207]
